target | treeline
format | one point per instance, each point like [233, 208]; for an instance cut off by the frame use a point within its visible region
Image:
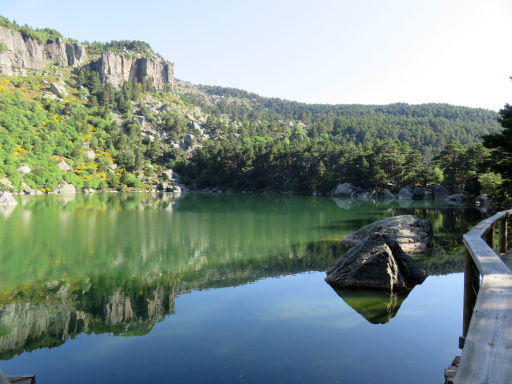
[43, 35]
[425, 127]
[304, 166]
[96, 47]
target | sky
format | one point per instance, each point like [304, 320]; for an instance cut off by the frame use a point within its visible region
[321, 51]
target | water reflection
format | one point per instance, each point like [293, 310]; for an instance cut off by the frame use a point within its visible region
[376, 306]
[116, 262]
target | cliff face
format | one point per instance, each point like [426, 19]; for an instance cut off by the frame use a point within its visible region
[117, 68]
[28, 53]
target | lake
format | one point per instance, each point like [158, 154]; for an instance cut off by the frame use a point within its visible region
[206, 288]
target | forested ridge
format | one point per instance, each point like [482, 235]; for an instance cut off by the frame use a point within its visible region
[68, 126]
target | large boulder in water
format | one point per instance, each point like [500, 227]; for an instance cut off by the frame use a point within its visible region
[378, 262]
[411, 233]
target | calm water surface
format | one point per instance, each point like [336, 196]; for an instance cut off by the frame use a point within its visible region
[217, 289]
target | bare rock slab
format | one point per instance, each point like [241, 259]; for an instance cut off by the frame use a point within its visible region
[6, 199]
[411, 233]
[378, 262]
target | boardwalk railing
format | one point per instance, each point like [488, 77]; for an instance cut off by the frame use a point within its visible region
[487, 325]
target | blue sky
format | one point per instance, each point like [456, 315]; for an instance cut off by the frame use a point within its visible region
[323, 51]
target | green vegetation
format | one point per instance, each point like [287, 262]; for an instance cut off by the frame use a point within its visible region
[425, 127]
[43, 35]
[2, 47]
[500, 160]
[140, 47]
[232, 139]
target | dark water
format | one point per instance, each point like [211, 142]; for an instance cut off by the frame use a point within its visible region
[217, 289]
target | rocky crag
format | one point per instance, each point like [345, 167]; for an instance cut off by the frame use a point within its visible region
[116, 69]
[21, 52]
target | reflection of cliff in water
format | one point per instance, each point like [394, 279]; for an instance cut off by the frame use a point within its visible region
[376, 306]
[115, 263]
[47, 314]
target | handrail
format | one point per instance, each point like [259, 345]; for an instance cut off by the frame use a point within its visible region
[487, 325]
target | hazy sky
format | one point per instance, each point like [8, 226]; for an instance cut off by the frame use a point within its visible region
[320, 51]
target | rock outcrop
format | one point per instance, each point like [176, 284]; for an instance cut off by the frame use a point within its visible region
[345, 190]
[6, 199]
[411, 233]
[378, 262]
[28, 53]
[117, 68]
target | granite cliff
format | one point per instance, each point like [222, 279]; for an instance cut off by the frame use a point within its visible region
[115, 68]
[21, 53]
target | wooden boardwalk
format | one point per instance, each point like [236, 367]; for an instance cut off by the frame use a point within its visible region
[487, 330]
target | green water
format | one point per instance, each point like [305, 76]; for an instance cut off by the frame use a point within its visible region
[217, 288]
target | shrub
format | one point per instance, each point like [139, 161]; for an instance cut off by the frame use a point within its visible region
[490, 183]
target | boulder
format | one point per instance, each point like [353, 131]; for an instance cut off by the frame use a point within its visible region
[90, 154]
[24, 169]
[6, 199]
[162, 186]
[411, 233]
[58, 89]
[422, 193]
[440, 192]
[63, 166]
[5, 184]
[363, 195]
[483, 200]
[344, 190]
[405, 193]
[378, 262]
[66, 189]
[26, 189]
[455, 197]
[388, 195]
[168, 173]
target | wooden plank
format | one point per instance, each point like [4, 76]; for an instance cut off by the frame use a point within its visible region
[503, 234]
[471, 287]
[486, 260]
[487, 356]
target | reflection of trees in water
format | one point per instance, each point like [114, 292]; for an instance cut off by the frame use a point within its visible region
[221, 241]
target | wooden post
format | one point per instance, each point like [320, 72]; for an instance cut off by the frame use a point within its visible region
[503, 234]
[471, 286]
[489, 237]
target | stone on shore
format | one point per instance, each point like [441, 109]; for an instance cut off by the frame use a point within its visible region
[7, 200]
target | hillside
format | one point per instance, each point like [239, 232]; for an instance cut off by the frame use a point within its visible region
[111, 116]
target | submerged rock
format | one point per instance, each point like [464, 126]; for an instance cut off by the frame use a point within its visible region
[378, 262]
[411, 233]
